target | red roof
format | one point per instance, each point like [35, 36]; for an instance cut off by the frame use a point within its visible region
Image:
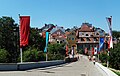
[86, 28]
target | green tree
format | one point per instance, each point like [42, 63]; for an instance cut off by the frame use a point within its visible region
[3, 56]
[116, 34]
[7, 36]
[103, 57]
[114, 57]
[35, 40]
[32, 55]
[56, 51]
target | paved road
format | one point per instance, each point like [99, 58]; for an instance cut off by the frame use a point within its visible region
[80, 68]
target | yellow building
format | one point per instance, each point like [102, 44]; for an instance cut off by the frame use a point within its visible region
[71, 39]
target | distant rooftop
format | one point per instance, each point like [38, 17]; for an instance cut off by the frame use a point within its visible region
[86, 27]
[57, 28]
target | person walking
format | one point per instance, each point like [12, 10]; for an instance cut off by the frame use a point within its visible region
[93, 59]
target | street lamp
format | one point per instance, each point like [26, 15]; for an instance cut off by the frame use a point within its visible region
[15, 31]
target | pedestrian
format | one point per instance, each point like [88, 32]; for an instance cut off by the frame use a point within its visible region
[89, 57]
[94, 60]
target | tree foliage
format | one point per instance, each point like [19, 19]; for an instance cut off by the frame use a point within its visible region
[7, 36]
[30, 55]
[56, 51]
[3, 56]
[116, 34]
[103, 57]
[35, 40]
[115, 57]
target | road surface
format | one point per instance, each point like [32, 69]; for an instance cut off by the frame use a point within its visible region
[83, 67]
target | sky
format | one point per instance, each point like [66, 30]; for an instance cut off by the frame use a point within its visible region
[66, 13]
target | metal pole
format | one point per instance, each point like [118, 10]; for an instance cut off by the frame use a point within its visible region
[98, 57]
[21, 54]
[108, 60]
[20, 39]
[46, 56]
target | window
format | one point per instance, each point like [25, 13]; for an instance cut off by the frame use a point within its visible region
[82, 39]
[95, 39]
[87, 35]
[72, 38]
[69, 39]
[82, 33]
[91, 35]
[87, 39]
[58, 33]
[97, 33]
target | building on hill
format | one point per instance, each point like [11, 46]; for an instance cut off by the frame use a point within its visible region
[88, 37]
[57, 35]
[47, 27]
[71, 41]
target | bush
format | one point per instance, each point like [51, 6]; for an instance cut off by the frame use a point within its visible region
[56, 52]
[55, 57]
[103, 57]
[32, 55]
[3, 56]
[41, 56]
[115, 57]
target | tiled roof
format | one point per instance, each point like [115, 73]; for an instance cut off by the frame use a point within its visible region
[57, 28]
[86, 28]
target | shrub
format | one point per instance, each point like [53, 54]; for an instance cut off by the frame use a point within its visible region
[32, 55]
[103, 57]
[41, 56]
[55, 57]
[3, 56]
[114, 57]
[56, 52]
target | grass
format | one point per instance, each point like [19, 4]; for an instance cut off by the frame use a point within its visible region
[116, 71]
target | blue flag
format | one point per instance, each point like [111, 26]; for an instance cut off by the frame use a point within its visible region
[101, 44]
[47, 39]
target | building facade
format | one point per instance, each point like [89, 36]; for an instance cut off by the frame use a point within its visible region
[88, 37]
[57, 35]
[71, 41]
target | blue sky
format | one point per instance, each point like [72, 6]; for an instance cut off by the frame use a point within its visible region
[66, 13]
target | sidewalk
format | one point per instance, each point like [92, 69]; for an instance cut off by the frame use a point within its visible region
[105, 69]
[102, 68]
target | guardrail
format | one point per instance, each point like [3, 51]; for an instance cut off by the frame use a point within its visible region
[28, 65]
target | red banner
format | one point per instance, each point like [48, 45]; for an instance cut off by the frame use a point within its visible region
[66, 50]
[24, 30]
[92, 50]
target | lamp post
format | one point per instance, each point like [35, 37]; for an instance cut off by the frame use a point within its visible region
[15, 30]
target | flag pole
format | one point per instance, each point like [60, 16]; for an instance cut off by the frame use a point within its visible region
[46, 56]
[107, 59]
[99, 49]
[110, 33]
[21, 54]
[20, 39]
[46, 47]
[98, 57]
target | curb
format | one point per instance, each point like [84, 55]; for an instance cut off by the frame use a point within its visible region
[105, 69]
[28, 65]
